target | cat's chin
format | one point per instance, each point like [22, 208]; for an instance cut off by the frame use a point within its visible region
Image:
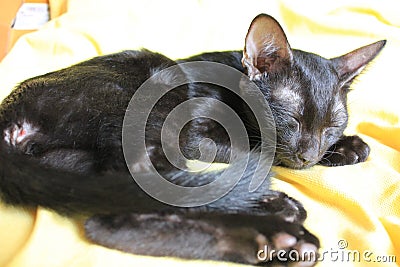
[296, 164]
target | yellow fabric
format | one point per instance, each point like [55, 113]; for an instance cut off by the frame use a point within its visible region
[358, 204]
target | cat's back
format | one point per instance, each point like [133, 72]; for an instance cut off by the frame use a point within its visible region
[99, 87]
[229, 58]
[99, 77]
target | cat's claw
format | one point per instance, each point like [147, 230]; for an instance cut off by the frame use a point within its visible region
[347, 151]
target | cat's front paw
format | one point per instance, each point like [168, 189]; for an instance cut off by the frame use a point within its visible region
[347, 151]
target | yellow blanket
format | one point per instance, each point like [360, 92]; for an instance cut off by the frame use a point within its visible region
[354, 210]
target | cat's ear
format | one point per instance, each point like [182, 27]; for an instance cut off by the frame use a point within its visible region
[351, 64]
[266, 47]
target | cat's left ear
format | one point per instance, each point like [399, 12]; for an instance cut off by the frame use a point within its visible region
[351, 64]
[266, 47]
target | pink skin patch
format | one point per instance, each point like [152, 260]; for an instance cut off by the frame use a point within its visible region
[17, 133]
[22, 132]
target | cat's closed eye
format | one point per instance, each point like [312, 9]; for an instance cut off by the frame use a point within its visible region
[294, 124]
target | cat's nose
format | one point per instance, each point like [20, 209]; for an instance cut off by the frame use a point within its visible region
[306, 158]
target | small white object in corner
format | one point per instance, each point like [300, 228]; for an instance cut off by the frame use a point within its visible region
[31, 16]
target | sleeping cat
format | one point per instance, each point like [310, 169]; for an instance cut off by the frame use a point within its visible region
[62, 148]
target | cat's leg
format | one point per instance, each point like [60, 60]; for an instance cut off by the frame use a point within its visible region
[204, 129]
[25, 137]
[110, 155]
[347, 151]
[264, 204]
[71, 160]
[247, 239]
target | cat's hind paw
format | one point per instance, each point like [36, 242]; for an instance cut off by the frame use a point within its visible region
[298, 249]
[348, 150]
[280, 204]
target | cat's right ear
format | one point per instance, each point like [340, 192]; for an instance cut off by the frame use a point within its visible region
[351, 64]
[266, 47]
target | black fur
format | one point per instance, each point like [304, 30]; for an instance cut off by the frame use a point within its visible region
[235, 238]
[62, 147]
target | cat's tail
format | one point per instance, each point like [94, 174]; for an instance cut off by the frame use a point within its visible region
[25, 183]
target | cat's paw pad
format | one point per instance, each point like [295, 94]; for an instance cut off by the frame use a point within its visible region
[295, 247]
[347, 151]
[19, 136]
[280, 204]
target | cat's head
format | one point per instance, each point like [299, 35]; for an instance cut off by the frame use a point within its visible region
[306, 93]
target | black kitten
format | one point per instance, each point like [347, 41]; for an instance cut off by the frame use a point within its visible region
[62, 147]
